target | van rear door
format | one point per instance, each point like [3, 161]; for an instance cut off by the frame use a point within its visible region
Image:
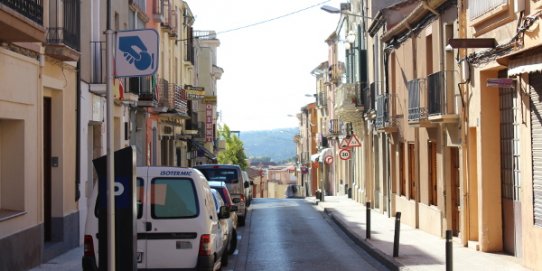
[170, 236]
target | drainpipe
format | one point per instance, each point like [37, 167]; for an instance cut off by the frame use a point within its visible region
[78, 134]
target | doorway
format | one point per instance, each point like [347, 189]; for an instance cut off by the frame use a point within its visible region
[47, 177]
[455, 194]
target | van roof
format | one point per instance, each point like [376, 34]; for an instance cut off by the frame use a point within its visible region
[217, 166]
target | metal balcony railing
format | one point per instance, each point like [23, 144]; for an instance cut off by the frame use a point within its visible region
[417, 100]
[334, 127]
[382, 111]
[98, 60]
[180, 100]
[440, 100]
[163, 89]
[31, 9]
[144, 88]
[66, 32]
[60, 35]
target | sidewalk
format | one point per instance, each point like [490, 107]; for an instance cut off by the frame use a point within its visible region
[69, 261]
[418, 250]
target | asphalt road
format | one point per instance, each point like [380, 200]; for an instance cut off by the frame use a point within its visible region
[290, 234]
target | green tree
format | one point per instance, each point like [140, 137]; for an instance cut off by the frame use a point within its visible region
[234, 153]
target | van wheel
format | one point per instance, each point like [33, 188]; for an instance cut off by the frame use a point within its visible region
[233, 242]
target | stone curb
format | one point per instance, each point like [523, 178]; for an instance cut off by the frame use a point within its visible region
[379, 255]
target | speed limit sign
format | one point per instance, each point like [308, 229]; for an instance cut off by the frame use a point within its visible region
[344, 154]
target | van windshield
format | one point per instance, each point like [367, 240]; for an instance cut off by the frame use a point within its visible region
[173, 198]
[220, 174]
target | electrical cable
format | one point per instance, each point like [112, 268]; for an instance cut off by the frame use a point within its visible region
[260, 22]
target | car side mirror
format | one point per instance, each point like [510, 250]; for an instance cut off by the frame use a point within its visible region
[246, 185]
[233, 208]
[223, 212]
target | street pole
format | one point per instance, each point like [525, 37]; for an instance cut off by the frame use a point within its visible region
[110, 155]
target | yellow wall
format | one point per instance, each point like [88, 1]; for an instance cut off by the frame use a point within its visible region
[20, 95]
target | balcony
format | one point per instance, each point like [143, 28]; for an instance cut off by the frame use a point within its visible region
[62, 41]
[345, 104]
[383, 121]
[417, 103]
[142, 86]
[442, 105]
[334, 128]
[21, 21]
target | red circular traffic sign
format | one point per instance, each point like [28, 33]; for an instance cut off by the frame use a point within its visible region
[328, 159]
[344, 154]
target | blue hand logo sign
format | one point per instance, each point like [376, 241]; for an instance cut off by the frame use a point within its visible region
[136, 53]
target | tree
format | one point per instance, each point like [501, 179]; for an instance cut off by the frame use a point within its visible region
[234, 153]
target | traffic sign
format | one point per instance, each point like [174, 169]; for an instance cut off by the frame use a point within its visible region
[136, 53]
[328, 159]
[344, 154]
[354, 141]
[344, 143]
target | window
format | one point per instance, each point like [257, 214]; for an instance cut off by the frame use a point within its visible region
[480, 8]
[11, 168]
[173, 198]
[432, 168]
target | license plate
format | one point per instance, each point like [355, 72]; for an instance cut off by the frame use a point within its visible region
[184, 245]
[139, 256]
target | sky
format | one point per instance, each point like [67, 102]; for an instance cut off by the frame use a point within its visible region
[267, 50]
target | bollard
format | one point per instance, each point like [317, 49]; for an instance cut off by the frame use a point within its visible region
[396, 237]
[449, 251]
[368, 220]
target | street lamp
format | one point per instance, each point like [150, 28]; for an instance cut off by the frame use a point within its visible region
[335, 10]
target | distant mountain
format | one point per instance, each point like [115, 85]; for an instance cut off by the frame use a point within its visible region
[277, 144]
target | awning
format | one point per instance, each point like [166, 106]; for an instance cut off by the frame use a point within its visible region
[526, 60]
[202, 150]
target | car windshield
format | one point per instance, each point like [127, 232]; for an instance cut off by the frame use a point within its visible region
[220, 174]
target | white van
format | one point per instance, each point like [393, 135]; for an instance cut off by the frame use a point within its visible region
[177, 224]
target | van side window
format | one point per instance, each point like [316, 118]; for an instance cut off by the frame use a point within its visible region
[173, 198]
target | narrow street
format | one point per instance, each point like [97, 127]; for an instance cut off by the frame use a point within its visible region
[290, 234]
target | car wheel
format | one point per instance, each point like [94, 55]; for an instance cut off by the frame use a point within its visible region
[242, 220]
[233, 242]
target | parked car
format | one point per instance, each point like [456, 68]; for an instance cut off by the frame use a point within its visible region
[248, 190]
[224, 226]
[233, 220]
[177, 222]
[233, 177]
